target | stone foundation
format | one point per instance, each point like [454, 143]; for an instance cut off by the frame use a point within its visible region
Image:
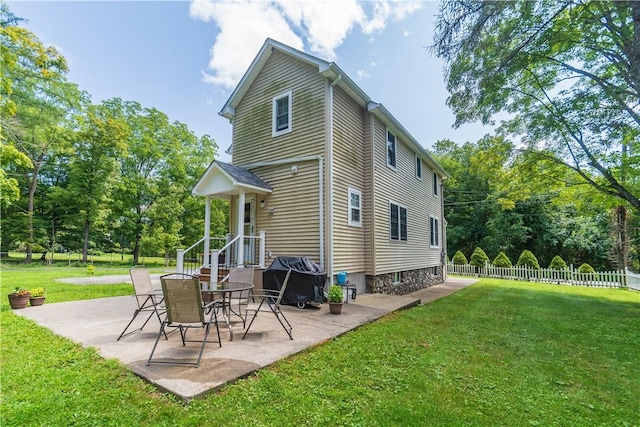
[411, 280]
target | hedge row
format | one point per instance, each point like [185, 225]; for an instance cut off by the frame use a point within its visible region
[479, 258]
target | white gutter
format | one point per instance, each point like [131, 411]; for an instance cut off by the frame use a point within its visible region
[320, 189]
[329, 149]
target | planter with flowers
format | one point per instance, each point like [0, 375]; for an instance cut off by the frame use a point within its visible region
[19, 298]
[37, 296]
[335, 298]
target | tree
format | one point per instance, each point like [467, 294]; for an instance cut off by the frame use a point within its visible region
[478, 258]
[9, 187]
[502, 260]
[98, 143]
[557, 263]
[36, 101]
[527, 258]
[459, 258]
[566, 72]
[162, 162]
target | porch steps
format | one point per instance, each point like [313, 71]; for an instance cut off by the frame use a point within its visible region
[204, 274]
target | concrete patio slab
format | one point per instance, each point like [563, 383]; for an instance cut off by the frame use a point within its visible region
[98, 323]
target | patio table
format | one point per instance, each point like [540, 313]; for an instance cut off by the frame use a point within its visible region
[224, 292]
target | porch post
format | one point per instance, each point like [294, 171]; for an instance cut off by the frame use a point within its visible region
[207, 231]
[240, 228]
[263, 235]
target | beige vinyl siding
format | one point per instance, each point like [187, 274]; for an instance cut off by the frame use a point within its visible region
[400, 186]
[252, 129]
[294, 227]
[348, 172]
[367, 195]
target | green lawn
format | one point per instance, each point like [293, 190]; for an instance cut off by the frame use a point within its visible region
[497, 353]
[74, 259]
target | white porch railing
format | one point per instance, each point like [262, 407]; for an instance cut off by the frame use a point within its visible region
[568, 276]
[193, 259]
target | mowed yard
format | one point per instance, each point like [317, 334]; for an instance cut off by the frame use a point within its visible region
[496, 353]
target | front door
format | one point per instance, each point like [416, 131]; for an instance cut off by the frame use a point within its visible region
[249, 231]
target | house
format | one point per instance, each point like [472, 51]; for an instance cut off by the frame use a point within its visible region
[322, 171]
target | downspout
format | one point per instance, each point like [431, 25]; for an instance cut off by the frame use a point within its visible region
[443, 256]
[320, 189]
[372, 213]
[329, 148]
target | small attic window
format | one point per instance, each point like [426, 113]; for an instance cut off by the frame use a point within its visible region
[281, 114]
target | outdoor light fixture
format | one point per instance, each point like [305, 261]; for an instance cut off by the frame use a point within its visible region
[263, 204]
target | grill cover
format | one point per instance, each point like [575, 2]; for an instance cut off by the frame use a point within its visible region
[306, 283]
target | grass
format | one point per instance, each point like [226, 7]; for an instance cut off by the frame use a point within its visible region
[44, 277]
[497, 353]
[74, 259]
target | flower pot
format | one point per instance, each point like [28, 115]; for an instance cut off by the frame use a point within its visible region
[335, 307]
[18, 301]
[36, 301]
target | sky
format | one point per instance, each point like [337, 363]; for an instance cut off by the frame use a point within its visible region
[184, 58]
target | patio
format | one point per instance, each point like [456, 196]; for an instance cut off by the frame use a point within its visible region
[98, 323]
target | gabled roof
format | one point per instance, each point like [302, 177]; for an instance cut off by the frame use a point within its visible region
[223, 180]
[331, 71]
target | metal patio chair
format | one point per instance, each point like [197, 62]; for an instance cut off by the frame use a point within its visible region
[240, 299]
[269, 302]
[185, 310]
[148, 300]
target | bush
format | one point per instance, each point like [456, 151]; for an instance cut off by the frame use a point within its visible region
[528, 259]
[335, 294]
[460, 259]
[502, 260]
[586, 268]
[557, 263]
[479, 258]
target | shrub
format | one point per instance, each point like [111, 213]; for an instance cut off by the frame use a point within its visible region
[335, 294]
[557, 263]
[459, 259]
[502, 260]
[586, 268]
[37, 292]
[529, 259]
[478, 258]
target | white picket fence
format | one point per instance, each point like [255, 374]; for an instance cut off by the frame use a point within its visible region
[569, 276]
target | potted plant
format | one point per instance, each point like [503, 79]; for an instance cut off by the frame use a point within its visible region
[37, 296]
[19, 298]
[335, 298]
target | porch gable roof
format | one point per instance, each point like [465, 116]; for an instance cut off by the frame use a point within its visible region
[223, 180]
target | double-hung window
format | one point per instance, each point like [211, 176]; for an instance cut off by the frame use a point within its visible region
[391, 149]
[434, 228]
[355, 208]
[435, 184]
[397, 222]
[281, 114]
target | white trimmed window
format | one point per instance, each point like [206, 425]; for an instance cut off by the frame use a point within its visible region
[282, 114]
[435, 184]
[434, 229]
[355, 207]
[418, 167]
[391, 149]
[397, 222]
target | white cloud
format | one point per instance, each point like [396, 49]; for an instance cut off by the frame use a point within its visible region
[321, 25]
[362, 74]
